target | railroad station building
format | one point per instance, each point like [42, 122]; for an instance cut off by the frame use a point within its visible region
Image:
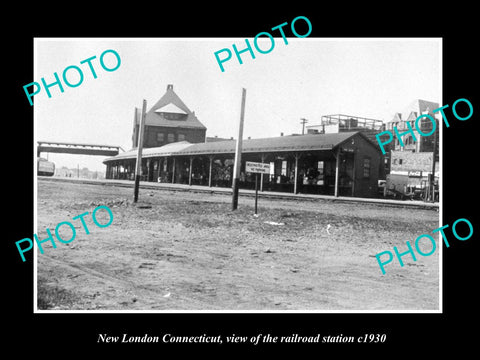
[338, 163]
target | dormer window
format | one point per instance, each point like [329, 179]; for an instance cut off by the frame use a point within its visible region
[171, 112]
[173, 116]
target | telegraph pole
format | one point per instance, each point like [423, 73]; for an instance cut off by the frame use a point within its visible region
[138, 168]
[238, 154]
[303, 122]
[432, 178]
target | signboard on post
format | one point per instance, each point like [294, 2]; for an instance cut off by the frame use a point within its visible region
[415, 174]
[254, 167]
[257, 168]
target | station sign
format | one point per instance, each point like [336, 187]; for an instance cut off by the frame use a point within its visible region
[415, 174]
[259, 168]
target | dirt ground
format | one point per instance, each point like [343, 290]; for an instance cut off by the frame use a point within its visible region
[189, 251]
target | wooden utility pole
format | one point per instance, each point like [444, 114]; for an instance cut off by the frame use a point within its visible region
[432, 178]
[303, 122]
[138, 168]
[238, 154]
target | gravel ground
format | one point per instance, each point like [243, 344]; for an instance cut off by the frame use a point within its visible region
[189, 251]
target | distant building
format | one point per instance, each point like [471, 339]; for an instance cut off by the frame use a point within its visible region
[168, 121]
[409, 115]
[410, 166]
[81, 173]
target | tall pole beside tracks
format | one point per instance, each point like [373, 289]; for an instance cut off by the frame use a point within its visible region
[238, 154]
[138, 168]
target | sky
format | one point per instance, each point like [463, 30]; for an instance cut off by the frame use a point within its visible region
[308, 78]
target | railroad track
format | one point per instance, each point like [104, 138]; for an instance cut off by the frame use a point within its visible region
[248, 193]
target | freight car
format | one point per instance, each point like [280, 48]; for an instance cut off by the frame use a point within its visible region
[45, 167]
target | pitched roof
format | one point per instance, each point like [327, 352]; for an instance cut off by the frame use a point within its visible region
[397, 117]
[277, 144]
[424, 105]
[165, 150]
[415, 109]
[413, 115]
[171, 103]
[309, 142]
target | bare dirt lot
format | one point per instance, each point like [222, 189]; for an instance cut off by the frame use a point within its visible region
[189, 251]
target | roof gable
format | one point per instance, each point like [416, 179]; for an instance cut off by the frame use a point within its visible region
[170, 108]
[170, 103]
[412, 116]
[415, 109]
[419, 107]
[397, 117]
[427, 106]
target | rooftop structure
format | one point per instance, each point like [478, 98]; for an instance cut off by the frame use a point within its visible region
[339, 123]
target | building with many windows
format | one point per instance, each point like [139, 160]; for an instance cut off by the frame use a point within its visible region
[412, 158]
[409, 115]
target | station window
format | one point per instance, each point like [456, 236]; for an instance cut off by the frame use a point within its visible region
[320, 166]
[181, 137]
[160, 137]
[320, 177]
[366, 167]
[171, 138]
[272, 168]
[284, 168]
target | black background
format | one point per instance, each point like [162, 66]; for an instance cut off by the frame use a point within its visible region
[407, 334]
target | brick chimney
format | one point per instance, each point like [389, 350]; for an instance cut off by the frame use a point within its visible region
[169, 87]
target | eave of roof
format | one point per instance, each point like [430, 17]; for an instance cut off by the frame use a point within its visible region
[166, 150]
[158, 120]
